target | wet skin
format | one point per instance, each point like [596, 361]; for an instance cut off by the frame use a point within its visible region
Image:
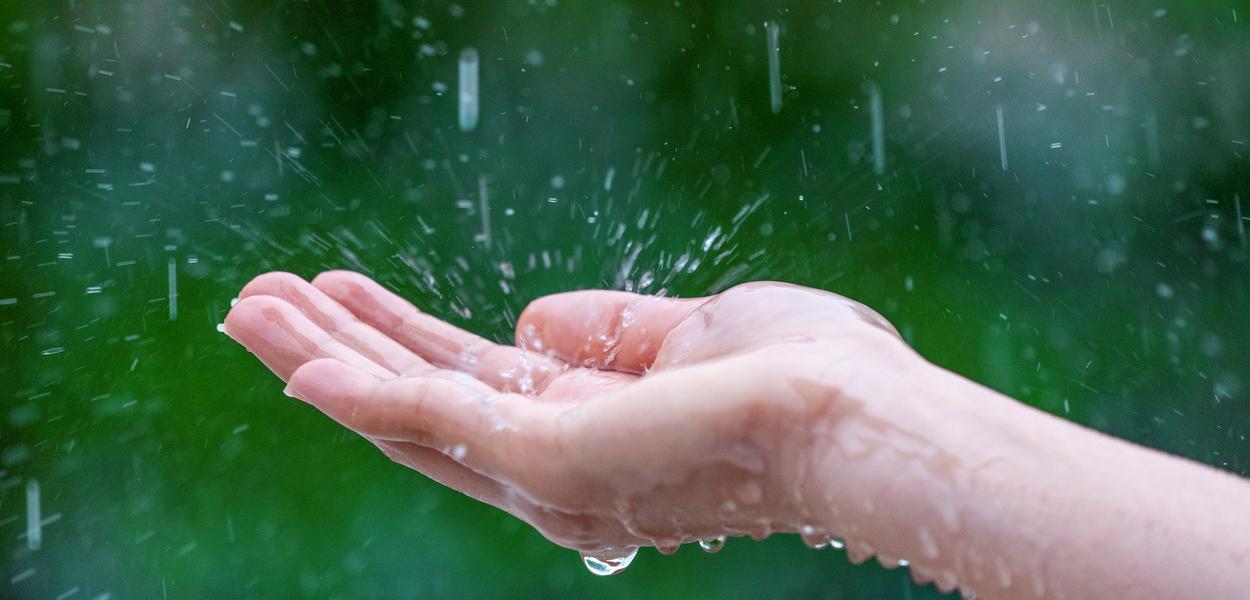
[619, 420]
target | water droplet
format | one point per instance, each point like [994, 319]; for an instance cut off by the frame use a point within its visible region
[668, 549]
[609, 566]
[812, 538]
[837, 543]
[712, 545]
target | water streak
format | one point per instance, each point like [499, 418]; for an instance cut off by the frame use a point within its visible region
[1002, 139]
[878, 129]
[173, 290]
[774, 64]
[34, 517]
[468, 89]
[483, 201]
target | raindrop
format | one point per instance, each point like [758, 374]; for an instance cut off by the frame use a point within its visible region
[468, 90]
[774, 65]
[34, 520]
[173, 289]
[609, 566]
[1002, 139]
[876, 112]
[712, 545]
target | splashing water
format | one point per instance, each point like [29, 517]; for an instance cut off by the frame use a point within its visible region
[712, 545]
[608, 566]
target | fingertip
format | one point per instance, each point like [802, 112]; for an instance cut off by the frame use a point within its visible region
[269, 284]
[246, 317]
[553, 312]
[601, 328]
[336, 279]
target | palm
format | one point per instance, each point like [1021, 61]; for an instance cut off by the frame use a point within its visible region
[505, 424]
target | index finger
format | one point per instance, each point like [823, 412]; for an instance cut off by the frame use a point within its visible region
[495, 434]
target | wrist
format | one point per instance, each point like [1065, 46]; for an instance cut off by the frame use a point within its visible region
[894, 471]
[977, 490]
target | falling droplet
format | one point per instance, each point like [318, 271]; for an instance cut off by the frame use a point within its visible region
[468, 90]
[34, 519]
[609, 566]
[712, 545]
[1002, 139]
[774, 64]
[876, 112]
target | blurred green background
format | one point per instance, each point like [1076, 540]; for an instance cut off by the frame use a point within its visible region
[155, 155]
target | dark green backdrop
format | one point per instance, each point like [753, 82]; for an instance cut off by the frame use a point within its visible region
[1101, 275]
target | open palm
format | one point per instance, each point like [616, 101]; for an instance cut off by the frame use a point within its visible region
[616, 421]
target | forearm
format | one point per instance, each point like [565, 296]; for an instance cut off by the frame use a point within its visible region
[978, 490]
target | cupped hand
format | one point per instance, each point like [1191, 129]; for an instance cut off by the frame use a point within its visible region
[616, 421]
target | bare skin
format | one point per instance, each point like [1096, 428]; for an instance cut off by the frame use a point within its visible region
[619, 421]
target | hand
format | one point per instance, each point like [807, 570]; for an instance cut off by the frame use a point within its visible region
[616, 421]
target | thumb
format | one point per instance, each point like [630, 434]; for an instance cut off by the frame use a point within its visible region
[604, 329]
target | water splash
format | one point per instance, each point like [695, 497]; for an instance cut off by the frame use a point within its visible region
[608, 566]
[712, 545]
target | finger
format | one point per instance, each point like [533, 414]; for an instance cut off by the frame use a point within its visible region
[431, 411]
[507, 368]
[284, 339]
[339, 322]
[445, 470]
[603, 329]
